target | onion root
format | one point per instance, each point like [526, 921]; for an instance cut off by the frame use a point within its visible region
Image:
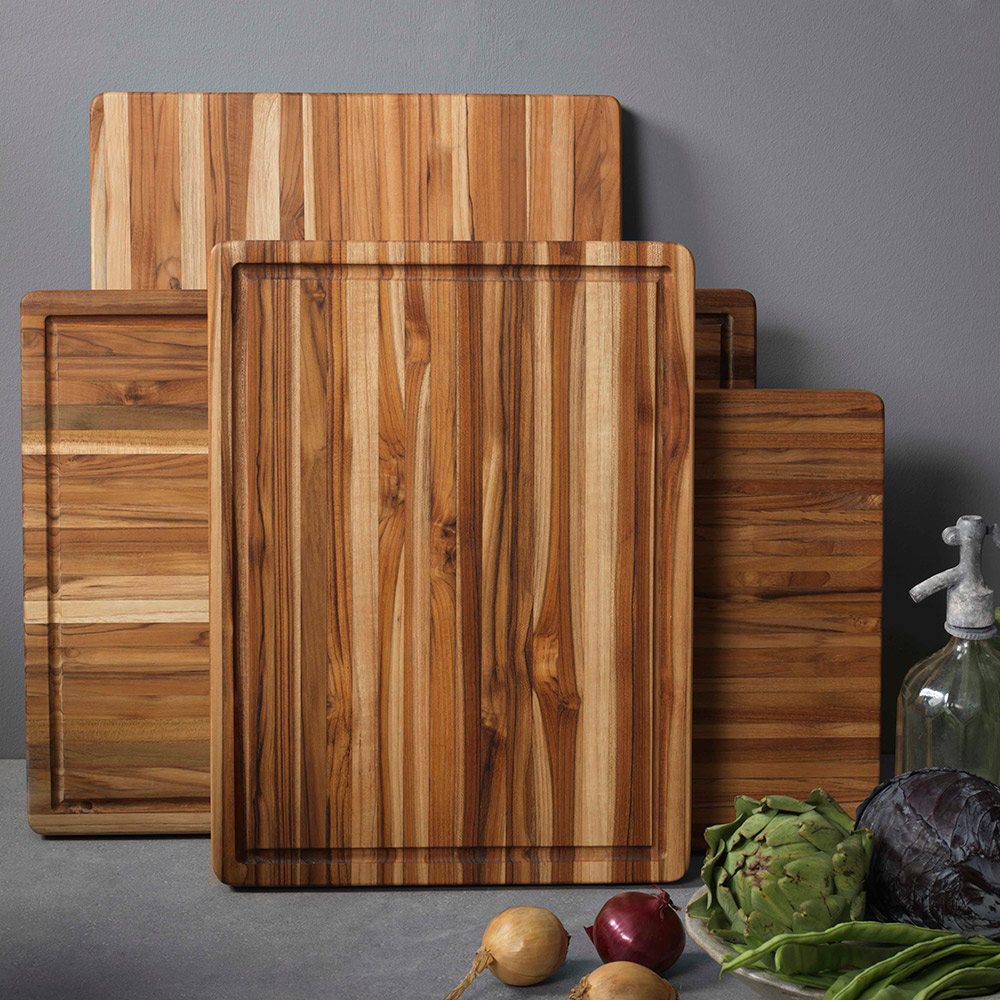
[480, 963]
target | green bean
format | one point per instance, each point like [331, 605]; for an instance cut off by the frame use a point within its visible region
[865, 931]
[839, 983]
[804, 958]
[896, 966]
[820, 982]
[964, 982]
[930, 971]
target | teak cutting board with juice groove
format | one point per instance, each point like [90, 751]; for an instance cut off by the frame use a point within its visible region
[450, 586]
[788, 596]
[117, 708]
[115, 478]
[173, 174]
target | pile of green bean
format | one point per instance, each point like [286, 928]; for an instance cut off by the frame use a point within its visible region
[865, 960]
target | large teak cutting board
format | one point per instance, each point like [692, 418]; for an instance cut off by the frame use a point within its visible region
[115, 476]
[450, 585]
[173, 174]
[788, 595]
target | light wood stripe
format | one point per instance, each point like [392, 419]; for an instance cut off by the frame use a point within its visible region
[98, 196]
[308, 170]
[117, 178]
[264, 183]
[598, 663]
[362, 413]
[192, 185]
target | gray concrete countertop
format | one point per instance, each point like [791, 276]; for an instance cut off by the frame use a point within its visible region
[144, 918]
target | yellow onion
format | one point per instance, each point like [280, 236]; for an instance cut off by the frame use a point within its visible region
[521, 946]
[623, 981]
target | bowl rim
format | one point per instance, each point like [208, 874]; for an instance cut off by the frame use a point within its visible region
[720, 950]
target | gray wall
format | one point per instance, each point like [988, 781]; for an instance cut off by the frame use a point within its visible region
[839, 158]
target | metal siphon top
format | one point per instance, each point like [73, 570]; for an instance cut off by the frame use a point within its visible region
[970, 613]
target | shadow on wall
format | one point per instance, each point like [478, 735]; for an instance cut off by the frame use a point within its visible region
[696, 200]
[632, 211]
[921, 479]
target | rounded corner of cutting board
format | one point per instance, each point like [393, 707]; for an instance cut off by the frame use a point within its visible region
[226, 868]
[97, 106]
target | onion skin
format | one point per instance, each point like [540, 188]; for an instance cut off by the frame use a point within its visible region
[637, 927]
[623, 981]
[527, 943]
[521, 946]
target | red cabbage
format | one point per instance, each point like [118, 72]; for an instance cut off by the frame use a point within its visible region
[936, 857]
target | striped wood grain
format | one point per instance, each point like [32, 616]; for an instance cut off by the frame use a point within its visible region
[122, 378]
[173, 174]
[788, 596]
[450, 562]
[115, 480]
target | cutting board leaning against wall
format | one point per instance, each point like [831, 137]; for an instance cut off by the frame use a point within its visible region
[451, 562]
[115, 393]
[171, 175]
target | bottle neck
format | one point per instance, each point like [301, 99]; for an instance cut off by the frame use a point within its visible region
[962, 649]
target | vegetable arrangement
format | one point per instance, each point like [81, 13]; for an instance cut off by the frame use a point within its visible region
[786, 885]
[524, 945]
[789, 884]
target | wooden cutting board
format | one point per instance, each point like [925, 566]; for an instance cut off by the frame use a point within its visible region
[725, 339]
[450, 597]
[173, 174]
[115, 478]
[788, 596]
[125, 397]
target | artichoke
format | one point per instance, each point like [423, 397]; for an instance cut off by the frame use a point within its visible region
[783, 865]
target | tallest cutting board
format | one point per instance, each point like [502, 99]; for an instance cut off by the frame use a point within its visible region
[171, 175]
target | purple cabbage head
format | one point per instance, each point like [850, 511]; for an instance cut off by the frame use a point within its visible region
[936, 858]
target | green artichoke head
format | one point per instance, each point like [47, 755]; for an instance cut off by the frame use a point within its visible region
[784, 865]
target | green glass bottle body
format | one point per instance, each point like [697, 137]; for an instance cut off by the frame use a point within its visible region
[948, 712]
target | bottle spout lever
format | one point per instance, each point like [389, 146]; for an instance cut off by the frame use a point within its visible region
[946, 578]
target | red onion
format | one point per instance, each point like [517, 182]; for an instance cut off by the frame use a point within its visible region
[638, 927]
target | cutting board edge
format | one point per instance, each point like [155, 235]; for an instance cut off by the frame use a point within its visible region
[61, 824]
